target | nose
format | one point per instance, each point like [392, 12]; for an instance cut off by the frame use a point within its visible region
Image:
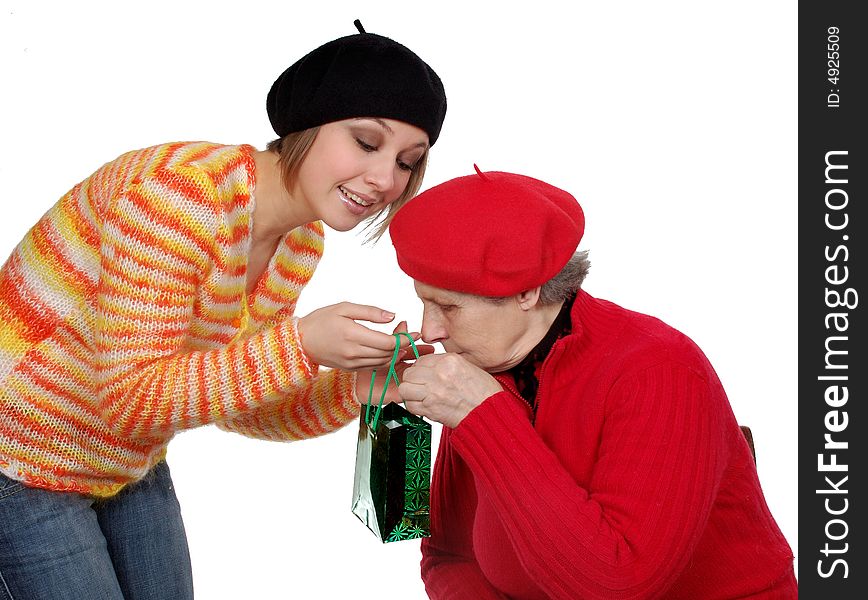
[432, 328]
[381, 175]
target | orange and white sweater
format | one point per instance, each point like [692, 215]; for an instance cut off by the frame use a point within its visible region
[123, 320]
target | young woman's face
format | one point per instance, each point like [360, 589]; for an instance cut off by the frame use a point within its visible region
[357, 167]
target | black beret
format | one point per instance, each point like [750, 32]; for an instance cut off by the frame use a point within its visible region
[360, 75]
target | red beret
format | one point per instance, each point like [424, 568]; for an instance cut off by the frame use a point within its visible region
[489, 234]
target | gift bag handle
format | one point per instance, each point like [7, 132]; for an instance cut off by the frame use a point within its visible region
[392, 374]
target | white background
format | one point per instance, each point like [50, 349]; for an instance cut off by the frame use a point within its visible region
[673, 123]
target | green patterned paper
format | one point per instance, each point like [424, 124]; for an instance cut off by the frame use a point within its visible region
[393, 472]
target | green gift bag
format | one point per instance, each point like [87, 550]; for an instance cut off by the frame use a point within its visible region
[393, 467]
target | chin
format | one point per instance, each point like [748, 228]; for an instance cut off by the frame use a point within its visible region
[497, 367]
[342, 225]
[473, 361]
[343, 228]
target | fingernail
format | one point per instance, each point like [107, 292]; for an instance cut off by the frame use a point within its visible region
[388, 315]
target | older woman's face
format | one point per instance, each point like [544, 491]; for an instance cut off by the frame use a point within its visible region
[491, 336]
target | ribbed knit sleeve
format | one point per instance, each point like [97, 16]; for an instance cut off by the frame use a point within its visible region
[321, 406]
[449, 568]
[157, 246]
[631, 531]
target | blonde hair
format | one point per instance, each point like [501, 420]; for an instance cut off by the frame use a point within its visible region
[292, 149]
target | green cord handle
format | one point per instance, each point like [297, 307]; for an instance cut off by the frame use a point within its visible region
[392, 374]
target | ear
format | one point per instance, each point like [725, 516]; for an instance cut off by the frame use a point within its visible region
[528, 298]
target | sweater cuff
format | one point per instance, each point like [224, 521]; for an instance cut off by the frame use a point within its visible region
[498, 431]
[345, 405]
[311, 367]
[480, 418]
[353, 381]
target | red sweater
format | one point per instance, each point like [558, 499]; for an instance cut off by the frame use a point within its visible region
[632, 481]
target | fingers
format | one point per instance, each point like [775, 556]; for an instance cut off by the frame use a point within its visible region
[428, 359]
[368, 363]
[417, 408]
[374, 345]
[413, 397]
[375, 360]
[411, 392]
[332, 337]
[384, 342]
[412, 375]
[378, 341]
[422, 349]
[403, 342]
[365, 312]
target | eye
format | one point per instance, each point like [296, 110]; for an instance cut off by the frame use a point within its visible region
[365, 146]
[410, 162]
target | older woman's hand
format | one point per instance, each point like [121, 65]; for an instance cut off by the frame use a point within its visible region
[445, 388]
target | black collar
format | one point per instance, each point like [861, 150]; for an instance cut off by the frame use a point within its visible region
[524, 372]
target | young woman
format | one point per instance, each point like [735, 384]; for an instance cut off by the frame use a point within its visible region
[158, 295]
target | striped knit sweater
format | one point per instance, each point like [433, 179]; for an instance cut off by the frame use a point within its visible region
[121, 323]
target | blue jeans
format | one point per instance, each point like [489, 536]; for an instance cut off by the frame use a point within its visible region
[66, 546]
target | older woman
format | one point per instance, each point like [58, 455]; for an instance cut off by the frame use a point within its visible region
[588, 451]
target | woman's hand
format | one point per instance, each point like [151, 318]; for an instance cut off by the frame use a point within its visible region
[445, 388]
[331, 337]
[363, 379]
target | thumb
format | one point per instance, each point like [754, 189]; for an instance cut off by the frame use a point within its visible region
[364, 312]
[400, 327]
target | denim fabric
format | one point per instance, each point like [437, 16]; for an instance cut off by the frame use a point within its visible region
[65, 546]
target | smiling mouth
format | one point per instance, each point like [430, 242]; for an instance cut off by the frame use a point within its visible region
[351, 196]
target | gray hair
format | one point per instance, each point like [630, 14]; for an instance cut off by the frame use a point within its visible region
[567, 282]
[563, 285]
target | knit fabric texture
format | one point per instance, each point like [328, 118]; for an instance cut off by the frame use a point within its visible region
[121, 323]
[632, 481]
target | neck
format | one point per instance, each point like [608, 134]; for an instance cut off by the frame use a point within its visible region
[541, 319]
[275, 211]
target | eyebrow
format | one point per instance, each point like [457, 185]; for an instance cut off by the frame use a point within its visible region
[440, 301]
[385, 126]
